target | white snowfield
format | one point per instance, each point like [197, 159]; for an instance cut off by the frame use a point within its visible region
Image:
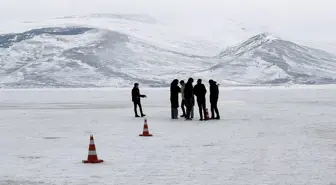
[267, 135]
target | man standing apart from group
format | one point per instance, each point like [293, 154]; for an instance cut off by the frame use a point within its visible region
[136, 96]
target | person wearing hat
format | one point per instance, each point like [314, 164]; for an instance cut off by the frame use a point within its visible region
[136, 96]
[214, 93]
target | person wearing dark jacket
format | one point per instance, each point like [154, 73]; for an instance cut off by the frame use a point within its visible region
[174, 100]
[136, 96]
[200, 91]
[189, 97]
[214, 92]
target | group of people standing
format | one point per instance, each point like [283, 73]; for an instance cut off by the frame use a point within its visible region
[188, 93]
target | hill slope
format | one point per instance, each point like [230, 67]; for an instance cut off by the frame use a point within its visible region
[264, 59]
[88, 57]
[126, 48]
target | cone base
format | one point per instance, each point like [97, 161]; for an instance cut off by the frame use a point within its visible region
[146, 135]
[95, 161]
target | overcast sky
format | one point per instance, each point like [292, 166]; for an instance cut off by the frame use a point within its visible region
[302, 19]
[297, 9]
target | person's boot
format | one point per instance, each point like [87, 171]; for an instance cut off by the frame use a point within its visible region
[142, 114]
[212, 114]
[136, 114]
[183, 114]
[176, 113]
[217, 113]
[187, 116]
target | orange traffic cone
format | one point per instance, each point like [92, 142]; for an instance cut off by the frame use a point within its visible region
[92, 156]
[145, 131]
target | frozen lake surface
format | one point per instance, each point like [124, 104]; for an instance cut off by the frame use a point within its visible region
[266, 135]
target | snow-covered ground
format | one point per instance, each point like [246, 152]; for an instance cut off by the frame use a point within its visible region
[267, 135]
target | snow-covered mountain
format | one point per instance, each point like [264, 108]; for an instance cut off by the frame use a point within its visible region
[89, 57]
[265, 59]
[107, 50]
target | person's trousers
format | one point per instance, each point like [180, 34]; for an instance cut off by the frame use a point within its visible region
[192, 112]
[214, 109]
[174, 113]
[201, 107]
[183, 107]
[135, 104]
[189, 105]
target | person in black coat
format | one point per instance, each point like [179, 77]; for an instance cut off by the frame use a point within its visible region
[174, 100]
[136, 96]
[214, 93]
[200, 91]
[189, 97]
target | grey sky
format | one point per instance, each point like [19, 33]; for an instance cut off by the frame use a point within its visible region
[314, 9]
[309, 20]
